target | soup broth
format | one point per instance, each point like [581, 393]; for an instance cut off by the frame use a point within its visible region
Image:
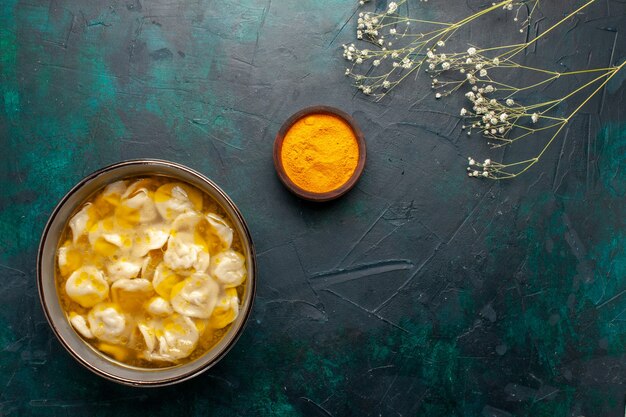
[150, 272]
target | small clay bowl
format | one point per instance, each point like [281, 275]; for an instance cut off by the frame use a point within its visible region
[278, 146]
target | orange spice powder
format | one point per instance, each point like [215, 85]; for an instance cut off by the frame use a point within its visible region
[320, 153]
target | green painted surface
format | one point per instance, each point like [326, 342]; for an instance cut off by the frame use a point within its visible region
[419, 293]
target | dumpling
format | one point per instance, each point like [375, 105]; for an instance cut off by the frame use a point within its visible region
[169, 339]
[150, 237]
[87, 286]
[228, 268]
[196, 296]
[139, 207]
[69, 259]
[108, 324]
[175, 198]
[221, 230]
[164, 280]
[123, 269]
[131, 294]
[80, 324]
[226, 310]
[107, 239]
[158, 306]
[81, 222]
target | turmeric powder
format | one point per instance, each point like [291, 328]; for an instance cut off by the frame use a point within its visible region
[320, 153]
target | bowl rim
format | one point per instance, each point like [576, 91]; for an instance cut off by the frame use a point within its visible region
[247, 238]
[278, 146]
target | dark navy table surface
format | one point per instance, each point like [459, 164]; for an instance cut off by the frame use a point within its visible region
[420, 293]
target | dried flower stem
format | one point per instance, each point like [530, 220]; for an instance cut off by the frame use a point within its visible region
[500, 119]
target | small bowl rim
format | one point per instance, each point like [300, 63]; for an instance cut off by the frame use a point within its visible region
[278, 146]
[247, 241]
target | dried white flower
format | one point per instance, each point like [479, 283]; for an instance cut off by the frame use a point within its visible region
[471, 51]
[534, 117]
[392, 7]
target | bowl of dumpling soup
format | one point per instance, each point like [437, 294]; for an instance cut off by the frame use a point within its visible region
[146, 272]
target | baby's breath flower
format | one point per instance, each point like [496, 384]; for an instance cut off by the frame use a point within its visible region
[534, 117]
[445, 65]
[510, 102]
[471, 51]
[392, 7]
[376, 62]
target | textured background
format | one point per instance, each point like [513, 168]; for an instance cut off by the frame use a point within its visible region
[420, 293]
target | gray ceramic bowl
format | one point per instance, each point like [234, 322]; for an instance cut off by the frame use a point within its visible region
[75, 345]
